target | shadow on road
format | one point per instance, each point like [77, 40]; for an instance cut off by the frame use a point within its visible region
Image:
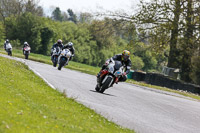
[103, 93]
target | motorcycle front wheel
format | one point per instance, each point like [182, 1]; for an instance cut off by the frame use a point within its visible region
[10, 53]
[55, 61]
[26, 56]
[97, 88]
[61, 64]
[105, 85]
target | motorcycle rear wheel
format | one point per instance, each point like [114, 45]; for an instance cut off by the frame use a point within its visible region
[54, 64]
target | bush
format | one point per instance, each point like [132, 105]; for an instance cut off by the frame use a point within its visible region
[16, 43]
[137, 63]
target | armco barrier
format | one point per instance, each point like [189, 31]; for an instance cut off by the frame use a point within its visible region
[165, 81]
[138, 76]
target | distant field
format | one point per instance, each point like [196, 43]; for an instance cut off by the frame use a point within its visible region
[28, 104]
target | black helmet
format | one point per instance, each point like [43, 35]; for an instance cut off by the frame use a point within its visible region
[59, 41]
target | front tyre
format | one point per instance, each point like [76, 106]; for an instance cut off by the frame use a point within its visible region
[26, 56]
[97, 88]
[54, 64]
[61, 64]
[106, 84]
[59, 67]
[10, 53]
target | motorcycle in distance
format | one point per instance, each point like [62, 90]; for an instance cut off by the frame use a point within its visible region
[9, 49]
[27, 50]
[110, 75]
[55, 55]
[64, 57]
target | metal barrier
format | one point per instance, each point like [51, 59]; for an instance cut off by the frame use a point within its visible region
[172, 72]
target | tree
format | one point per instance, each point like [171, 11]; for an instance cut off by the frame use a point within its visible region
[85, 18]
[72, 16]
[46, 35]
[16, 7]
[187, 46]
[137, 63]
[195, 71]
[65, 16]
[2, 32]
[26, 27]
[32, 7]
[162, 15]
[56, 14]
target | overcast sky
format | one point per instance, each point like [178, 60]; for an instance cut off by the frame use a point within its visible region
[89, 5]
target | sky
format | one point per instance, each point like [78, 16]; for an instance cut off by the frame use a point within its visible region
[126, 6]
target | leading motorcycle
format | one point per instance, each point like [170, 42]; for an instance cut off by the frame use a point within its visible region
[55, 55]
[109, 76]
[64, 57]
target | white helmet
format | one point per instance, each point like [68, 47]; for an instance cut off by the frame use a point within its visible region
[70, 44]
[25, 43]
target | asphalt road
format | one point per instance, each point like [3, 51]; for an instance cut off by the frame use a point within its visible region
[143, 109]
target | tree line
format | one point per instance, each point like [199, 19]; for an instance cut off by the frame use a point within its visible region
[160, 33]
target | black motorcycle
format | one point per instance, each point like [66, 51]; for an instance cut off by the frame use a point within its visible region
[55, 55]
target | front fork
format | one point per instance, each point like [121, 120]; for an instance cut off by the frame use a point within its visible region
[103, 73]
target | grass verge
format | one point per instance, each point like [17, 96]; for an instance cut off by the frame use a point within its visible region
[32, 106]
[47, 59]
[94, 70]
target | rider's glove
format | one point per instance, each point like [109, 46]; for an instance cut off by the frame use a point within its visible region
[106, 63]
[124, 74]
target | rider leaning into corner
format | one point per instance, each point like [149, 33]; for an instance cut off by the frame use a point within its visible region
[57, 44]
[124, 58]
[70, 46]
[5, 43]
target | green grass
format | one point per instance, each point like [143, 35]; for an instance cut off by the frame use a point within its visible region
[28, 104]
[94, 70]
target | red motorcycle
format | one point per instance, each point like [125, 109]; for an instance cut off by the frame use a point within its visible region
[27, 51]
[109, 76]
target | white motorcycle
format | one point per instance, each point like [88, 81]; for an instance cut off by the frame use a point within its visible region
[63, 59]
[109, 76]
[27, 50]
[55, 55]
[9, 49]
